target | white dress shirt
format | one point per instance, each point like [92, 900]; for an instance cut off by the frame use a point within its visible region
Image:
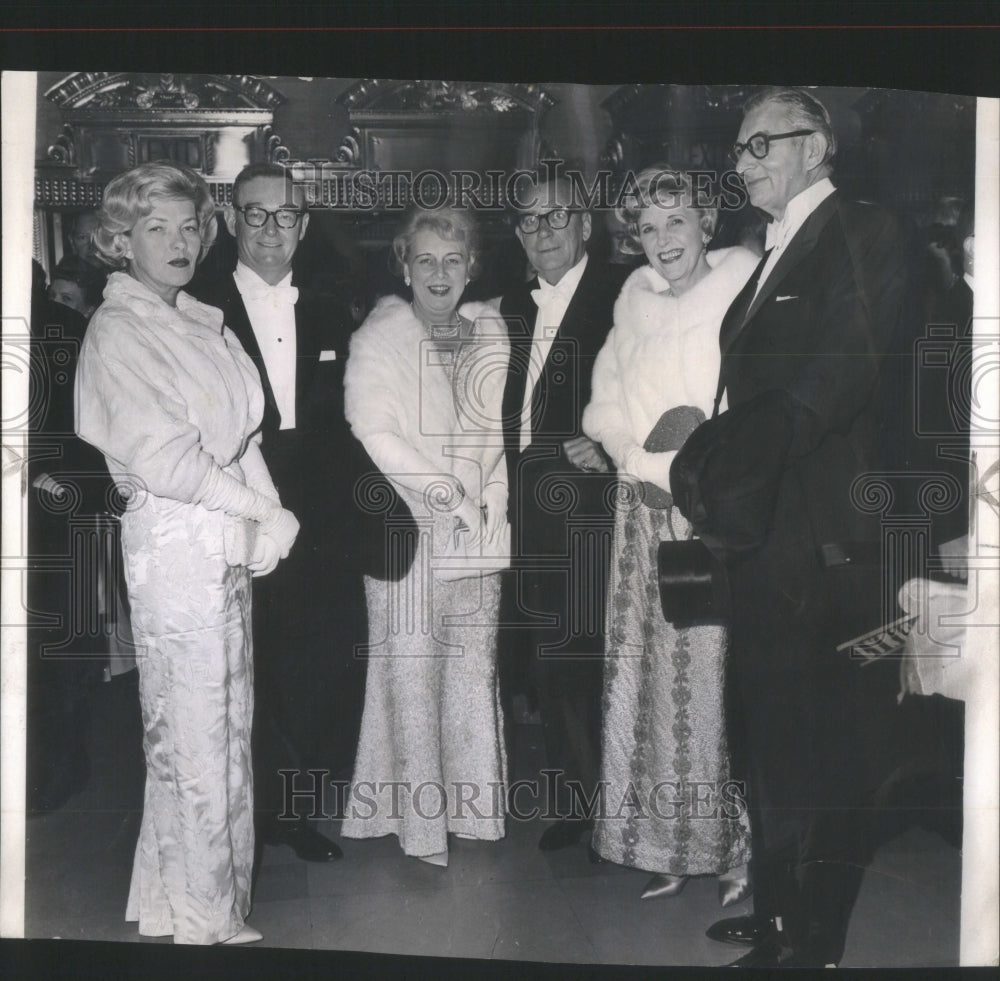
[271, 310]
[552, 303]
[780, 233]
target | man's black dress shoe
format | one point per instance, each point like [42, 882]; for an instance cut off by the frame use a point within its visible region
[747, 931]
[768, 953]
[772, 953]
[562, 834]
[304, 840]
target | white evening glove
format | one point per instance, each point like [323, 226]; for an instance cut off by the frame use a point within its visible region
[281, 526]
[651, 467]
[265, 557]
[495, 502]
[255, 470]
[221, 491]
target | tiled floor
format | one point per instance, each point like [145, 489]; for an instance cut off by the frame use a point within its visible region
[504, 900]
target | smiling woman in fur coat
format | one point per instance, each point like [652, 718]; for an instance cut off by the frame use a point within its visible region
[423, 387]
[664, 742]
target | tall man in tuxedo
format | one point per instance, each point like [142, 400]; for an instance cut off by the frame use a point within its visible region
[775, 487]
[559, 491]
[309, 614]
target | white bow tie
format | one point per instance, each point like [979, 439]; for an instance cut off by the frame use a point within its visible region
[277, 295]
[774, 235]
[547, 293]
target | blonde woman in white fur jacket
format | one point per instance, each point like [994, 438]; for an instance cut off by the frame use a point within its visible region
[423, 387]
[663, 730]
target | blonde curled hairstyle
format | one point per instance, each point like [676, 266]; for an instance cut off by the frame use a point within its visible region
[451, 224]
[666, 187]
[129, 197]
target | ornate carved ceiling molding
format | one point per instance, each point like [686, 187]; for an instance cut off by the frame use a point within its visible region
[379, 95]
[150, 91]
[686, 125]
[397, 123]
[113, 121]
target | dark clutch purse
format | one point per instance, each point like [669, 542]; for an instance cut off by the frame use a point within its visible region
[686, 576]
[670, 433]
[686, 571]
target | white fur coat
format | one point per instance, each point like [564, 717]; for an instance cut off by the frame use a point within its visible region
[663, 351]
[423, 410]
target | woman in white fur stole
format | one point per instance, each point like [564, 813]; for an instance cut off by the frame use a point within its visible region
[423, 388]
[664, 748]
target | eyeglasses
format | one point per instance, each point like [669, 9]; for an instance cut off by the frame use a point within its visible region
[555, 219]
[257, 217]
[759, 144]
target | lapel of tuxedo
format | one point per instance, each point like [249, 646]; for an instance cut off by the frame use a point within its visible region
[736, 315]
[572, 341]
[238, 321]
[520, 314]
[307, 320]
[802, 243]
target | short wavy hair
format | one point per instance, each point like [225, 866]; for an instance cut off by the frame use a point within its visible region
[130, 196]
[667, 186]
[802, 110]
[90, 279]
[452, 224]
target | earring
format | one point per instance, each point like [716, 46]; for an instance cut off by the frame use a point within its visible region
[406, 279]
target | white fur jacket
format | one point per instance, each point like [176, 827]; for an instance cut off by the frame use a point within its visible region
[422, 408]
[663, 351]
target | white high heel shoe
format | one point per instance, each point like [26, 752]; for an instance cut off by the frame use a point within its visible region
[663, 884]
[248, 935]
[439, 858]
[735, 886]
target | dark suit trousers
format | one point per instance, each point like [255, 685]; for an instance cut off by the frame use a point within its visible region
[553, 638]
[309, 618]
[817, 739]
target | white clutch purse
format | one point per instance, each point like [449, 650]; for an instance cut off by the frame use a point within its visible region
[239, 539]
[459, 561]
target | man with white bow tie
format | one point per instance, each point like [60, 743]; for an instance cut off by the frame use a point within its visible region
[786, 487]
[558, 492]
[309, 616]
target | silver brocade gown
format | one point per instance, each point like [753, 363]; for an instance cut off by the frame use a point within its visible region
[670, 806]
[431, 757]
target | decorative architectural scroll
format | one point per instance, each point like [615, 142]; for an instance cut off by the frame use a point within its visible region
[112, 121]
[689, 126]
[97, 91]
[438, 125]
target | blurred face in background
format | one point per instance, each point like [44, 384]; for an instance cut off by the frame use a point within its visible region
[81, 238]
[618, 240]
[69, 294]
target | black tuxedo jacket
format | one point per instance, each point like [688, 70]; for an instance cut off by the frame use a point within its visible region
[545, 489]
[313, 464]
[776, 485]
[320, 469]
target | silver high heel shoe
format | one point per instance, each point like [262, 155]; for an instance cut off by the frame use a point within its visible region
[734, 886]
[248, 935]
[439, 858]
[664, 885]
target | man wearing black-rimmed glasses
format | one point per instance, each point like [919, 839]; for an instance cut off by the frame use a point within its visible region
[309, 616]
[772, 486]
[559, 492]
